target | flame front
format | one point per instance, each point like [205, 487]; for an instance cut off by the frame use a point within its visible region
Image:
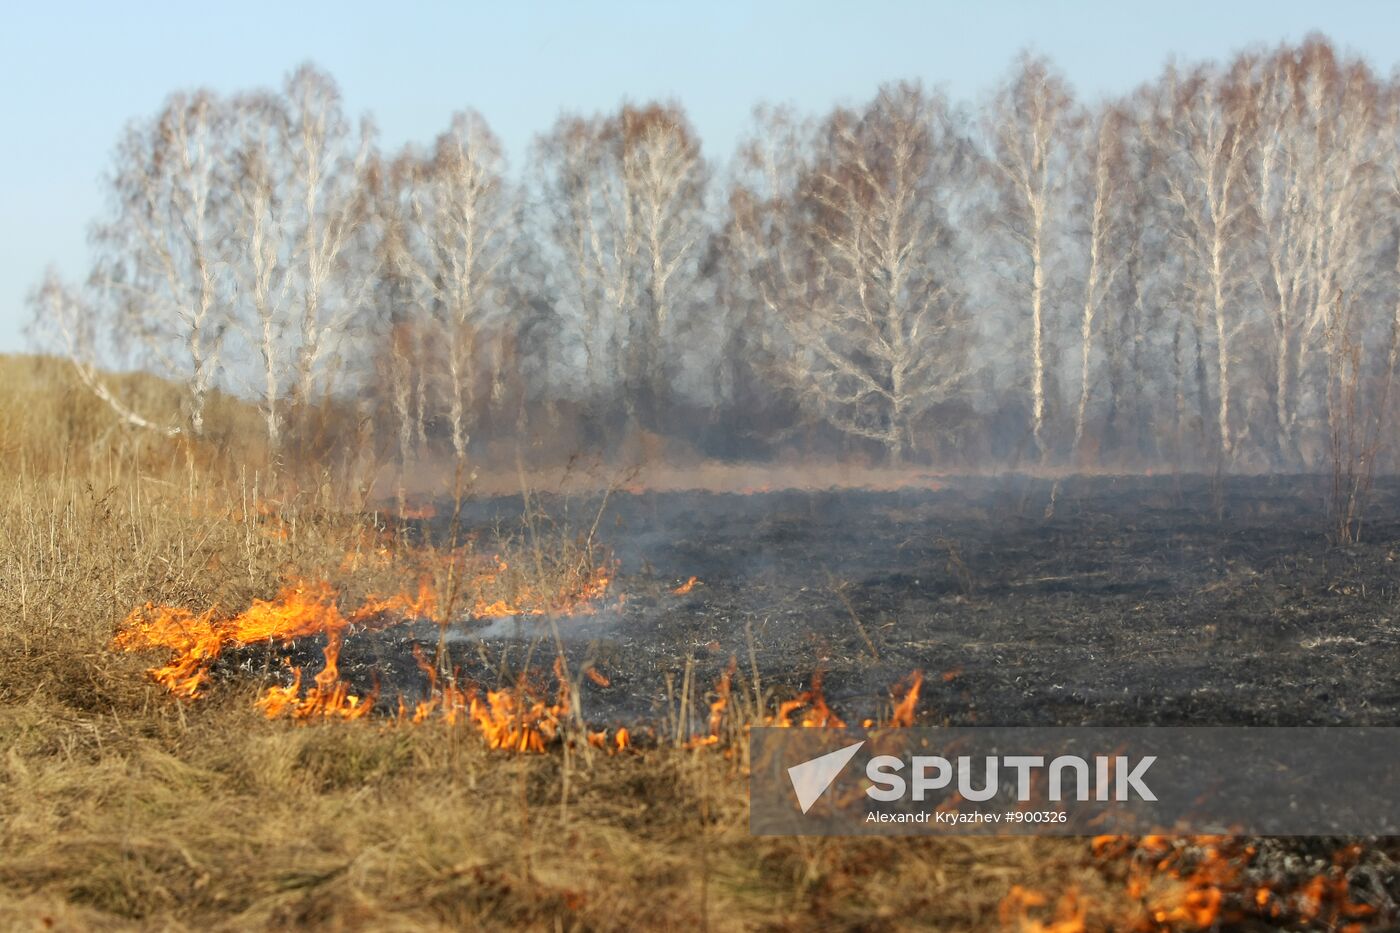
[304, 609]
[299, 610]
[196, 641]
[515, 718]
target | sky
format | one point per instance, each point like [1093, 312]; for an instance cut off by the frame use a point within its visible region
[78, 73]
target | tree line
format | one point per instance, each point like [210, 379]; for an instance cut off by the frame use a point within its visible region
[1204, 272]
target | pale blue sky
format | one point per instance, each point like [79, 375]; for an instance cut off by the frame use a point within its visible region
[75, 73]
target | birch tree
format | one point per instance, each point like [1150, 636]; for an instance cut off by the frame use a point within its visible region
[626, 198]
[327, 207]
[855, 262]
[456, 240]
[1100, 182]
[748, 248]
[1029, 121]
[299, 217]
[1344, 143]
[1341, 150]
[663, 179]
[1207, 185]
[402, 366]
[1286, 237]
[258, 183]
[594, 235]
[161, 282]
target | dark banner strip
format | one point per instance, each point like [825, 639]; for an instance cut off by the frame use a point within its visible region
[1076, 781]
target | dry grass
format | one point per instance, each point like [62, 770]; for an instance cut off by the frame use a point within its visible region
[122, 808]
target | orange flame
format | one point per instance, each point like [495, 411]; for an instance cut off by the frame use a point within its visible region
[303, 609]
[196, 641]
[686, 587]
[903, 715]
[818, 714]
[299, 610]
[511, 719]
[1016, 907]
[721, 702]
[814, 711]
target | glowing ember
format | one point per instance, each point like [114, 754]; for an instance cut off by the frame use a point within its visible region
[686, 587]
[1192, 883]
[1067, 915]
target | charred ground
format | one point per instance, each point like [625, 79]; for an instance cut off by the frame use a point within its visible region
[1137, 601]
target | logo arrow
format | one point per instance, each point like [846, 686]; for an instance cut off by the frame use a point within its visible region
[811, 778]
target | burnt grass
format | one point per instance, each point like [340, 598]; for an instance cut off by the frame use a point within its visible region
[1137, 601]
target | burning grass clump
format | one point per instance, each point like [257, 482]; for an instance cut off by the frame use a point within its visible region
[484, 585]
[737, 704]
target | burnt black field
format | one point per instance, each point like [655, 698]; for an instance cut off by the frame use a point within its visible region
[1134, 601]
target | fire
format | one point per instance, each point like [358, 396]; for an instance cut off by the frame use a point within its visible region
[196, 641]
[807, 710]
[302, 609]
[299, 610]
[721, 702]
[513, 719]
[816, 715]
[685, 587]
[903, 715]
[419, 605]
[1193, 883]
[1068, 915]
[510, 721]
[516, 718]
[329, 696]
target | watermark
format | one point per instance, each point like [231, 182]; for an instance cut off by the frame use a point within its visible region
[1075, 781]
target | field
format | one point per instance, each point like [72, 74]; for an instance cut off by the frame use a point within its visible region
[556, 754]
[1133, 604]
